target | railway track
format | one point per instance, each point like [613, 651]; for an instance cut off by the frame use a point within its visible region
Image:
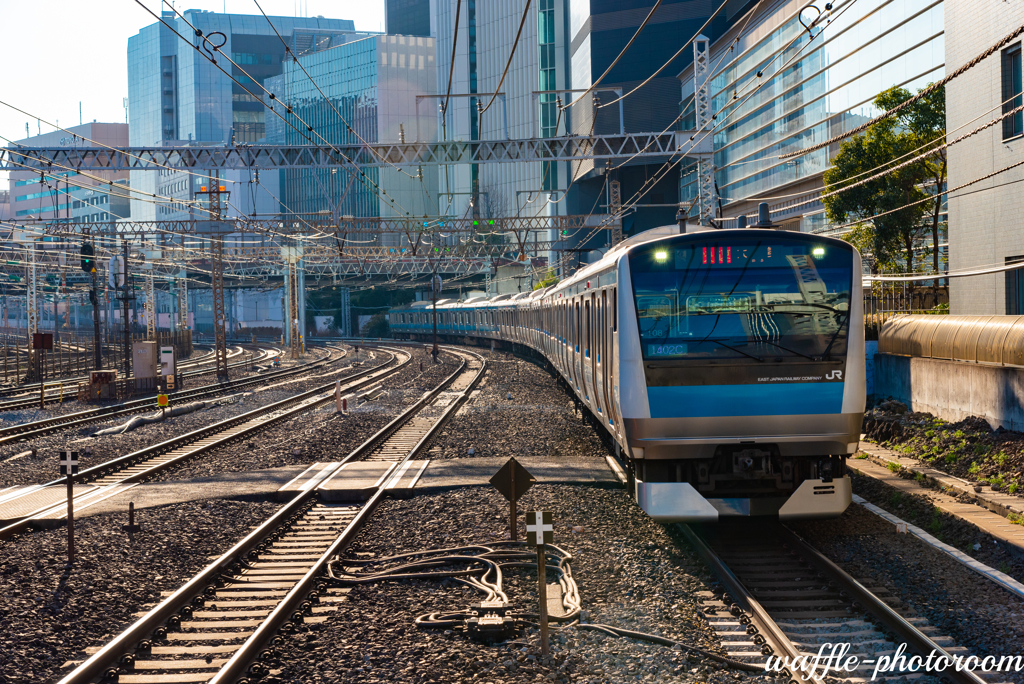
[787, 599]
[218, 626]
[44, 504]
[55, 390]
[33, 387]
[39, 428]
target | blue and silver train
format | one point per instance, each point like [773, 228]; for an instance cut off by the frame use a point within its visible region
[727, 365]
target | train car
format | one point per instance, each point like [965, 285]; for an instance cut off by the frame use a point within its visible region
[726, 365]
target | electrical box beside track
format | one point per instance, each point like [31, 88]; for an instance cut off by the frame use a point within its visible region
[102, 385]
[144, 363]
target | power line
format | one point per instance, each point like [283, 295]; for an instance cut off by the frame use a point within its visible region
[376, 189]
[622, 52]
[931, 198]
[451, 66]
[330, 102]
[515, 44]
[913, 100]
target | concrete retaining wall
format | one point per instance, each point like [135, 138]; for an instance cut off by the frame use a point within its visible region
[953, 390]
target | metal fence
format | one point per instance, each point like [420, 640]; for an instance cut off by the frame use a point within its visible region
[882, 301]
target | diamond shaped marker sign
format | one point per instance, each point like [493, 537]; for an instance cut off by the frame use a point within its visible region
[539, 528]
[512, 480]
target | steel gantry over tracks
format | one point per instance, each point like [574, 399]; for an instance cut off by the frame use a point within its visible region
[566, 148]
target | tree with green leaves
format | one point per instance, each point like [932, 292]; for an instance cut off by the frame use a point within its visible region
[550, 278]
[377, 326]
[917, 128]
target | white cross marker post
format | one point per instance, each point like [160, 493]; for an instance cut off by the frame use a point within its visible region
[541, 531]
[69, 467]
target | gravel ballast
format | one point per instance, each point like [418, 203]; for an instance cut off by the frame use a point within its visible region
[538, 420]
[17, 469]
[975, 612]
[630, 572]
[49, 614]
[322, 435]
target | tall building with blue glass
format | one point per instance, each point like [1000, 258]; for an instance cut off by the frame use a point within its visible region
[176, 96]
[775, 89]
[362, 90]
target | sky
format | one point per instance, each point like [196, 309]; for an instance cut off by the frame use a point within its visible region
[62, 52]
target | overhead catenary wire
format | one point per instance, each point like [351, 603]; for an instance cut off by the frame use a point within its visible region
[348, 126]
[671, 59]
[376, 189]
[508, 63]
[913, 160]
[622, 52]
[668, 165]
[884, 164]
[913, 100]
[451, 66]
[931, 198]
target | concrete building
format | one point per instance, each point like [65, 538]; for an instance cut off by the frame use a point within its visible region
[812, 91]
[73, 196]
[985, 218]
[176, 96]
[372, 82]
[5, 205]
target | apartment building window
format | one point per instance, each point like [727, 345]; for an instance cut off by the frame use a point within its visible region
[1015, 288]
[1012, 125]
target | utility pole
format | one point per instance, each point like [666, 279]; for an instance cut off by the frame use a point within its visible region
[614, 207]
[89, 266]
[126, 292]
[213, 194]
[183, 301]
[435, 287]
[293, 301]
[150, 308]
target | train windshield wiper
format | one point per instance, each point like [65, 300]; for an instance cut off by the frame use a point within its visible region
[738, 351]
[827, 353]
[791, 351]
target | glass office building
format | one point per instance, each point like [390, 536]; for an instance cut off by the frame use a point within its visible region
[371, 84]
[780, 90]
[176, 96]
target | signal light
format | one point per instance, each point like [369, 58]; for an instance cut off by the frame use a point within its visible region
[88, 262]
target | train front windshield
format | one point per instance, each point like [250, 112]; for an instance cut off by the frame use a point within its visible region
[756, 298]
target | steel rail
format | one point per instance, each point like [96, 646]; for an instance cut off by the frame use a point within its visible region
[51, 395]
[17, 433]
[250, 650]
[33, 387]
[97, 665]
[759, 617]
[102, 662]
[361, 379]
[912, 636]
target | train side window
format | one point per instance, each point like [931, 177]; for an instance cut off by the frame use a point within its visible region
[588, 330]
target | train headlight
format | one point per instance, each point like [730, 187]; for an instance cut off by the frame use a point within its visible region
[661, 256]
[818, 251]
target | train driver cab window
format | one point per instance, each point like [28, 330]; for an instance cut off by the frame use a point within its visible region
[746, 299]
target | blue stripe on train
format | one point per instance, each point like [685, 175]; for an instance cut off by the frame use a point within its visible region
[702, 401]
